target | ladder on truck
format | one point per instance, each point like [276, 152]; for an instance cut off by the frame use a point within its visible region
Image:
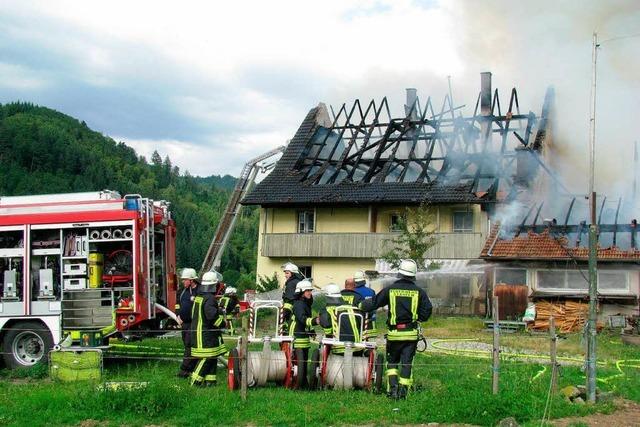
[228, 220]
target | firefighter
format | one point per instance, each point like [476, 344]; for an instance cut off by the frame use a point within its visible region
[183, 308]
[363, 289]
[220, 286]
[292, 277]
[230, 304]
[349, 294]
[206, 333]
[302, 327]
[340, 316]
[408, 306]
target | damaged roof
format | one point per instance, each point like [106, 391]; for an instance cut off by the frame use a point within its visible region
[526, 236]
[364, 155]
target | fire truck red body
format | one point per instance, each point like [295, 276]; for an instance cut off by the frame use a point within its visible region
[80, 267]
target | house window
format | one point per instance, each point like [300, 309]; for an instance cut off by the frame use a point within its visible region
[570, 280]
[613, 281]
[305, 270]
[462, 222]
[395, 223]
[306, 221]
[511, 276]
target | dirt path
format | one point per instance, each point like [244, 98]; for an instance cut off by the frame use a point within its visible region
[627, 415]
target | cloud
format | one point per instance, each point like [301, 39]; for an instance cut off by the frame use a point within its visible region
[233, 79]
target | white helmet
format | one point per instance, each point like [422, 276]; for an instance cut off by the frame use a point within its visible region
[359, 276]
[210, 278]
[188, 273]
[303, 285]
[230, 291]
[290, 267]
[408, 267]
[219, 275]
[332, 290]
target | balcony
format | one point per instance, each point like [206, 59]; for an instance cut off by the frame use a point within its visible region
[364, 245]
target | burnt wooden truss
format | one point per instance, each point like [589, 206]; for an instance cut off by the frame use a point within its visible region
[364, 144]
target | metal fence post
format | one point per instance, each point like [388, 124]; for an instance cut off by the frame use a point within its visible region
[496, 346]
[243, 358]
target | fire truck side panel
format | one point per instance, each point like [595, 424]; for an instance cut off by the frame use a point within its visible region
[171, 278]
[46, 286]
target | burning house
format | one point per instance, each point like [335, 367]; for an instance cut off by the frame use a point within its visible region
[335, 198]
[540, 252]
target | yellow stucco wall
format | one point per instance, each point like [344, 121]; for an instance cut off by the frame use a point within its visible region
[442, 216]
[342, 220]
[356, 220]
[336, 220]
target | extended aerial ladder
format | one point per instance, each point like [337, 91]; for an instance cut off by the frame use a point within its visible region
[228, 220]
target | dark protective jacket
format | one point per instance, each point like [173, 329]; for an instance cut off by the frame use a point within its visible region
[328, 313]
[408, 305]
[351, 297]
[302, 325]
[229, 305]
[339, 315]
[185, 303]
[289, 291]
[206, 335]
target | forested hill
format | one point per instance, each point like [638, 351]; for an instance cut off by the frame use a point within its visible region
[45, 151]
[226, 182]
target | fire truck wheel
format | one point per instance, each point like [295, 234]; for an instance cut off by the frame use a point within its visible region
[25, 344]
[379, 373]
[314, 368]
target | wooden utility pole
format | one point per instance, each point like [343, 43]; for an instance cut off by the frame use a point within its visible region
[553, 354]
[496, 347]
[593, 238]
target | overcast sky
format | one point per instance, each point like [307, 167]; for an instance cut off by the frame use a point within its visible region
[212, 84]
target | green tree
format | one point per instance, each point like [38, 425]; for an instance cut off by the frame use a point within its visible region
[417, 234]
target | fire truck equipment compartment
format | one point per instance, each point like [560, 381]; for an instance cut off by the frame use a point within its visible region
[96, 263]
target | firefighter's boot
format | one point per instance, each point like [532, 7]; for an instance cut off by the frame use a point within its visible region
[393, 387]
[403, 390]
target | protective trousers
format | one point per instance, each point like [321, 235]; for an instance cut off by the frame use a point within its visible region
[205, 371]
[228, 320]
[188, 362]
[302, 355]
[399, 360]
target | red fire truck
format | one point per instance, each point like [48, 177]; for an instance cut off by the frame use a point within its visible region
[80, 267]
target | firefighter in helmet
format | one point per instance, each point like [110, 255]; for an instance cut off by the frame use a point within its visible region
[230, 305]
[301, 327]
[408, 306]
[340, 319]
[183, 308]
[206, 332]
[363, 289]
[292, 277]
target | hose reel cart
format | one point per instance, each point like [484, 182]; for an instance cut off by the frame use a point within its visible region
[360, 366]
[269, 364]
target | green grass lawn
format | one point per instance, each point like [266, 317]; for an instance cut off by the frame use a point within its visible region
[451, 389]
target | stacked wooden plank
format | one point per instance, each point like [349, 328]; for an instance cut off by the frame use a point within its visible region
[570, 316]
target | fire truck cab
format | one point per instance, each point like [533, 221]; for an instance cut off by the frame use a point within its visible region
[80, 267]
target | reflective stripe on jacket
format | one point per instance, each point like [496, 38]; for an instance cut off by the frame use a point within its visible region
[206, 335]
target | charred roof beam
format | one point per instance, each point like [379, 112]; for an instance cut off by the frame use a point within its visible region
[367, 133]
